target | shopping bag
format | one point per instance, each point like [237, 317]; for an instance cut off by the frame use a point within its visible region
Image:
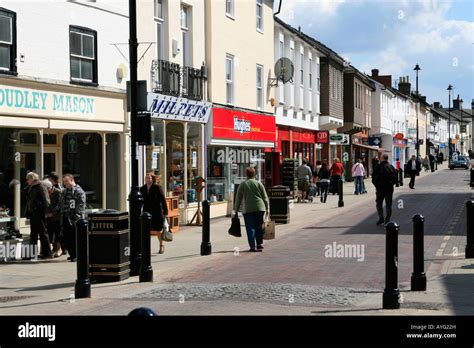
[269, 230]
[234, 229]
[166, 234]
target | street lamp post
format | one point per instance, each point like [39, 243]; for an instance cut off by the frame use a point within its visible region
[460, 128]
[135, 198]
[450, 88]
[417, 68]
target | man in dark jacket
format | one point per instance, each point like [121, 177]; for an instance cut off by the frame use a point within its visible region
[73, 208]
[384, 177]
[37, 204]
[432, 162]
[413, 169]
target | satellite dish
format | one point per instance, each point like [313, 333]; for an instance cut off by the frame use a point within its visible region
[284, 70]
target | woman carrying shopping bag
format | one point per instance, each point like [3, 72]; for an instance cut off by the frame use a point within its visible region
[256, 205]
[154, 202]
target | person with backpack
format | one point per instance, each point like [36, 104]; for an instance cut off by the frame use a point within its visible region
[384, 177]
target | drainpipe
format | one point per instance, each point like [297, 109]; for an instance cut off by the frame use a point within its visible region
[279, 8]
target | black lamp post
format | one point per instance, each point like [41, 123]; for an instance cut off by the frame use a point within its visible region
[135, 198]
[417, 68]
[460, 128]
[450, 88]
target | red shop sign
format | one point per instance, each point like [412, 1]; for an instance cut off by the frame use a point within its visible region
[399, 136]
[322, 137]
[239, 125]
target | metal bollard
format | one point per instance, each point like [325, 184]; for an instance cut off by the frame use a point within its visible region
[391, 293]
[142, 312]
[206, 247]
[146, 271]
[136, 200]
[400, 178]
[418, 277]
[82, 288]
[471, 184]
[470, 229]
[340, 203]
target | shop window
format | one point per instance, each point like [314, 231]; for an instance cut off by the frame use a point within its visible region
[50, 139]
[175, 159]
[113, 157]
[7, 41]
[194, 159]
[82, 157]
[155, 152]
[83, 54]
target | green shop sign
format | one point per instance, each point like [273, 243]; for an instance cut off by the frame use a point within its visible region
[19, 99]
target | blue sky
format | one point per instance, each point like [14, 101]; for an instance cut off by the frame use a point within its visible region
[394, 35]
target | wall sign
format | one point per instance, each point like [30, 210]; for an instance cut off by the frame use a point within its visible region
[240, 125]
[400, 142]
[322, 137]
[179, 109]
[339, 139]
[375, 141]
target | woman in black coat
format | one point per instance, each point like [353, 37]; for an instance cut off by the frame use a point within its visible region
[154, 202]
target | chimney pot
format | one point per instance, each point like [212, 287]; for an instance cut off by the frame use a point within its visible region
[375, 72]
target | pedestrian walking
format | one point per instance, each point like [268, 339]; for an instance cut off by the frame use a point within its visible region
[304, 175]
[324, 180]
[432, 162]
[53, 217]
[154, 202]
[384, 178]
[255, 205]
[37, 204]
[337, 170]
[413, 169]
[358, 173]
[426, 163]
[316, 177]
[73, 208]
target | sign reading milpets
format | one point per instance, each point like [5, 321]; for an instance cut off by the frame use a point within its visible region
[29, 101]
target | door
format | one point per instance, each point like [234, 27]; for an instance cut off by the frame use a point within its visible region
[50, 160]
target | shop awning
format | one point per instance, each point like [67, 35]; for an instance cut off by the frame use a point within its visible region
[373, 148]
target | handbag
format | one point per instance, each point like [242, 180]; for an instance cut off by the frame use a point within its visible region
[166, 234]
[269, 229]
[234, 229]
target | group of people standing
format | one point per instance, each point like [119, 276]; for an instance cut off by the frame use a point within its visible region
[53, 211]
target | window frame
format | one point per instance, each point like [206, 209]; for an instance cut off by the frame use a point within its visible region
[230, 82]
[12, 69]
[95, 61]
[310, 73]
[301, 68]
[155, 10]
[259, 4]
[260, 95]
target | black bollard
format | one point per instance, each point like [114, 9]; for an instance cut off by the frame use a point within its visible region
[146, 271]
[206, 247]
[391, 294]
[142, 312]
[82, 288]
[135, 206]
[340, 203]
[400, 177]
[418, 277]
[471, 184]
[470, 229]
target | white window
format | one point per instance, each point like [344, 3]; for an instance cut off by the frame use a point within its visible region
[229, 8]
[310, 73]
[185, 33]
[160, 25]
[301, 68]
[318, 74]
[260, 15]
[82, 52]
[259, 87]
[6, 41]
[229, 78]
[282, 48]
[184, 17]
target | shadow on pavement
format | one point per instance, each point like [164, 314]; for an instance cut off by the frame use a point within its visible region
[460, 288]
[48, 287]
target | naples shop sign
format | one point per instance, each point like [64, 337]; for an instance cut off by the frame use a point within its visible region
[24, 100]
[178, 109]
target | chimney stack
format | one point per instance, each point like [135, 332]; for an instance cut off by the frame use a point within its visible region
[436, 105]
[456, 103]
[404, 85]
[375, 72]
[423, 98]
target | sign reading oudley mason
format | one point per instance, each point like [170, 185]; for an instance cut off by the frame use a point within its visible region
[20, 99]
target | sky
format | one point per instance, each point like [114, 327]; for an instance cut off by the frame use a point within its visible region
[395, 35]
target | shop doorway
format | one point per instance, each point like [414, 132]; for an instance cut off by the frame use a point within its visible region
[51, 160]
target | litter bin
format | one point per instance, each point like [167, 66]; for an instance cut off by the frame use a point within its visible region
[109, 246]
[280, 204]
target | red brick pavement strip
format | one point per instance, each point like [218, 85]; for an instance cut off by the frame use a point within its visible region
[298, 257]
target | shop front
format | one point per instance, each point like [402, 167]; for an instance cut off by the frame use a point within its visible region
[360, 148]
[47, 127]
[296, 143]
[176, 153]
[399, 149]
[237, 139]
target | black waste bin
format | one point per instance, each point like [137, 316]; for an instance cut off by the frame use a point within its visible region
[109, 246]
[280, 204]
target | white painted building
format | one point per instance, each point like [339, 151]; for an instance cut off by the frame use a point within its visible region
[62, 96]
